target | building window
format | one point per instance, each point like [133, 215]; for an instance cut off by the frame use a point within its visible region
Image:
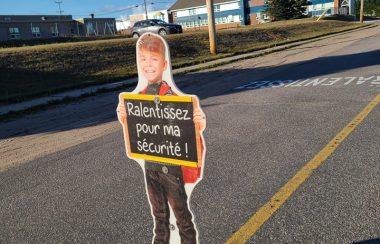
[192, 11]
[14, 33]
[54, 30]
[7, 19]
[91, 30]
[36, 32]
[216, 8]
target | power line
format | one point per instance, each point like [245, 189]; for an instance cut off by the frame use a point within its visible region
[118, 11]
[102, 13]
[108, 12]
[59, 2]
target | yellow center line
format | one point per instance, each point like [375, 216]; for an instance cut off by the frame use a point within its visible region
[269, 208]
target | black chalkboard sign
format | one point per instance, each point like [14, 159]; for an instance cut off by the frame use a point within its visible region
[161, 129]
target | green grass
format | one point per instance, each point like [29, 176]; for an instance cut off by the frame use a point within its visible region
[46, 69]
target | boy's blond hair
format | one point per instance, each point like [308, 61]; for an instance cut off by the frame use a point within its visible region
[152, 43]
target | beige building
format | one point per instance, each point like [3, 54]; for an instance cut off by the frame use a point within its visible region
[160, 14]
[13, 27]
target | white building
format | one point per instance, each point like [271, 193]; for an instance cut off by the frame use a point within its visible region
[329, 7]
[126, 22]
[123, 23]
[192, 14]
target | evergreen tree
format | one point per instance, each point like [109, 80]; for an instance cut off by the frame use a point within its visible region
[287, 9]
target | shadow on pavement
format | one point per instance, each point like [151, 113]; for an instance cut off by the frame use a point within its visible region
[100, 109]
[371, 241]
[14, 83]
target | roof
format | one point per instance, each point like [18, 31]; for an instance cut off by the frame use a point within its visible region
[34, 18]
[183, 4]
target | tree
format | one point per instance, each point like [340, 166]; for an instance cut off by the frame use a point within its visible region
[371, 7]
[287, 9]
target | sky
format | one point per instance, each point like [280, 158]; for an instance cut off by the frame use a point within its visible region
[81, 8]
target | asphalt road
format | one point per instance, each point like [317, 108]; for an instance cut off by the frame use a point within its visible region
[266, 118]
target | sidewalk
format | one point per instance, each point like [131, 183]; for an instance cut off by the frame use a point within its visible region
[17, 107]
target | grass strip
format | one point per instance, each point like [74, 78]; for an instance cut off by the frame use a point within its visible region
[47, 69]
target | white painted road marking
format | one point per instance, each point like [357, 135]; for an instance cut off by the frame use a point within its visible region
[324, 81]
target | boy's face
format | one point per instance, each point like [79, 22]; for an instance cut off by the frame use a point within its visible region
[152, 65]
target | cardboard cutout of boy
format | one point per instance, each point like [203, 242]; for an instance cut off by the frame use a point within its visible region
[170, 178]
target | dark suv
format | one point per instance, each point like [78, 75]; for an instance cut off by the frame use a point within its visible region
[156, 26]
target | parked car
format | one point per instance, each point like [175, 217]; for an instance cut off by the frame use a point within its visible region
[156, 26]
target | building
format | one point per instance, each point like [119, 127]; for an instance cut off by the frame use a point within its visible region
[123, 24]
[13, 27]
[94, 26]
[330, 7]
[159, 14]
[228, 13]
[193, 14]
[257, 12]
[34, 26]
[127, 22]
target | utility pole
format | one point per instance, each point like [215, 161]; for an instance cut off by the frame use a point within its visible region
[361, 11]
[211, 26]
[146, 11]
[59, 2]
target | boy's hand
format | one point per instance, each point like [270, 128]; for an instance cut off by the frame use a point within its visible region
[121, 113]
[199, 119]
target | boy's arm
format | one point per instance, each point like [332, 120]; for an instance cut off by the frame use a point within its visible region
[199, 119]
[121, 113]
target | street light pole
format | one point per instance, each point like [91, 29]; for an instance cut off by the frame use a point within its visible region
[146, 12]
[59, 2]
[361, 11]
[211, 26]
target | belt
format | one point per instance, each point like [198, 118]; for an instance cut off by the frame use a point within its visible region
[164, 168]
